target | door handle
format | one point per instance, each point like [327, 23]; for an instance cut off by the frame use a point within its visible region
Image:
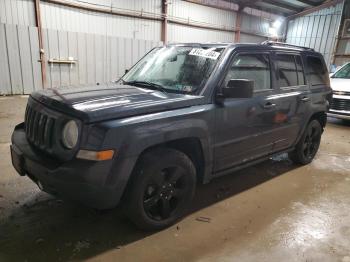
[269, 105]
[305, 99]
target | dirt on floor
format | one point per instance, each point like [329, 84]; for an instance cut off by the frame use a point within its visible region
[275, 211]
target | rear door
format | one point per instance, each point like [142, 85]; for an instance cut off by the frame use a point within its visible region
[292, 100]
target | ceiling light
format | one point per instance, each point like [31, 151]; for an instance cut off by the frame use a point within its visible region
[277, 24]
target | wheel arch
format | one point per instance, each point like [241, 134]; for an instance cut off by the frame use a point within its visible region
[193, 147]
[321, 117]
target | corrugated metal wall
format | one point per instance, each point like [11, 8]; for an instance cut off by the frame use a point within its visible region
[104, 45]
[245, 38]
[210, 16]
[186, 34]
[255, 24]
[205, 15]
[59, 17]
[317, 30]
[64, 18]
[201, 13]
[99, 58]
[20, 71]
[342, 53]
[17, 12]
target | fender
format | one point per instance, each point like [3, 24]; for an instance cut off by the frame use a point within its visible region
[132, 136]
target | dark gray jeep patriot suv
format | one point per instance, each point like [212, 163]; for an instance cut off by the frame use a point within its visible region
[184, 114]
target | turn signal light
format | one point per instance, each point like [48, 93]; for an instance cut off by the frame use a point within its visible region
[95, 155]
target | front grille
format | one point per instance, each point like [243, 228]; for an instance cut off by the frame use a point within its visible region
[39, 128]
[340, 104]
[341, 93]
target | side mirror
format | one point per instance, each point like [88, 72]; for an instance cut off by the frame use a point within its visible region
[126, 71]
[238, 88]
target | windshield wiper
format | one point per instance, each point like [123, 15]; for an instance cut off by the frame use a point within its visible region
[146, 84]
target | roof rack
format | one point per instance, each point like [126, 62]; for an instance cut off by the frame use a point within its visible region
[273, 43]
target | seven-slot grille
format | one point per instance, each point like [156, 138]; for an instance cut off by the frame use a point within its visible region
[39, 128]
[340, 104]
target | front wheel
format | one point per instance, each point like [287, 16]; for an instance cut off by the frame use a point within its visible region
[162, 187]
[308, 145]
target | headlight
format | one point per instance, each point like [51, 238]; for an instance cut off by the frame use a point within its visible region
[70, 134]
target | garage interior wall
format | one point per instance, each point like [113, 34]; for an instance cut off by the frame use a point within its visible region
[317, 30]
[104, 45]
[342, 52]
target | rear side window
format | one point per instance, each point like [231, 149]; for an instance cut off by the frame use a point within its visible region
[287, 71]
[317, 71]
[300, 71]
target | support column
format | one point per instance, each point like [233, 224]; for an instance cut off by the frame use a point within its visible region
[164, 36]
[41, 44]
[285, 34]
[238, 24]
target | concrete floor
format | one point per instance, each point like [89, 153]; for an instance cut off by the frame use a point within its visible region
[275, 211]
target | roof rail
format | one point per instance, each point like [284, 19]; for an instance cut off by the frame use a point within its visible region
[273, 43]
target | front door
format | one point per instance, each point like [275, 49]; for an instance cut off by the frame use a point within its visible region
[244, 127]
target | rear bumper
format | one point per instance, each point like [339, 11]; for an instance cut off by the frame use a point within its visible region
[87, 182]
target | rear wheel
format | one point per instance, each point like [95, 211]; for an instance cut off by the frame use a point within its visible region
[162, 187]
[308, 145]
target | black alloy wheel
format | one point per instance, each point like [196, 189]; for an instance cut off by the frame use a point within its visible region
[308, 145]
[311, 142]
[165, 193]
[162, 188]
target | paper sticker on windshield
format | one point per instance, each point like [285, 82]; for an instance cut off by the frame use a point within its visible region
[207, 53]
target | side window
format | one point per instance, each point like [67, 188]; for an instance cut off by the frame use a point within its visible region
[317, 71]
[300, 71]
[254, 67]
[287, 71]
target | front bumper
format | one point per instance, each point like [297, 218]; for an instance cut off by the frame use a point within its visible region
[340, 107]
[339, 115]
[87, 182]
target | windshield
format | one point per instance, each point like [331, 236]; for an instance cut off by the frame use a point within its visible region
[178, 69]
[343, 72]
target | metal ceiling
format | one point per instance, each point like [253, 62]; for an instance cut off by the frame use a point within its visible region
[280, 7]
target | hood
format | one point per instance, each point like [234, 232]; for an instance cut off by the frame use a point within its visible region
[112, 101]
[340, 84]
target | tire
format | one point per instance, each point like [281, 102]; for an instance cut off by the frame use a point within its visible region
[308, 145]
[162, 188]
[346, 122]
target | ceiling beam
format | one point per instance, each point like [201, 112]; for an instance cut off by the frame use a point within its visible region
[254, 4]
[283, 5]
[271, 10]
[307, 2]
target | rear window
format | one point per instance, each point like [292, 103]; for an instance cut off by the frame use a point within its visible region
[317, 71]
